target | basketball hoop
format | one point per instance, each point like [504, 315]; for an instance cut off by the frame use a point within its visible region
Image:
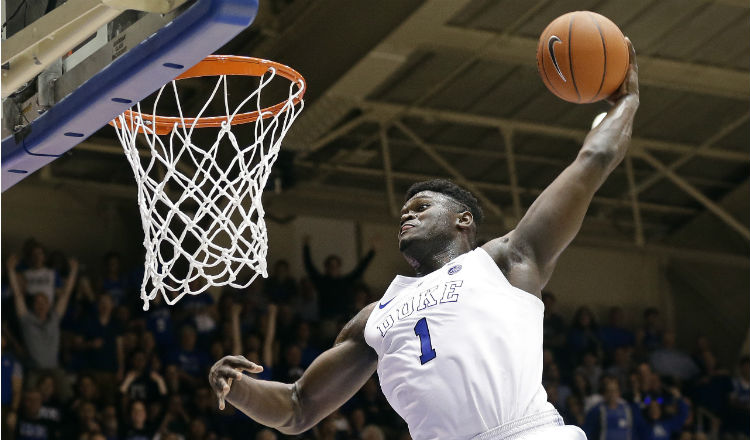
[208, 194]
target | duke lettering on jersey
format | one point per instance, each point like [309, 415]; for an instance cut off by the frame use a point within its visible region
[459, 349]
[420, 301]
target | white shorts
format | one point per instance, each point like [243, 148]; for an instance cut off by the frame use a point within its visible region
[565, 432]
[543, 426]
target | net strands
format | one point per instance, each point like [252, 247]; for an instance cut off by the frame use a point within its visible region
[185, 194]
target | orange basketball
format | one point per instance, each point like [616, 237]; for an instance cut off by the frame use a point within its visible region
[582, 57]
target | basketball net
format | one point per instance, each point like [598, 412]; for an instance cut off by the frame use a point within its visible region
[209, 195]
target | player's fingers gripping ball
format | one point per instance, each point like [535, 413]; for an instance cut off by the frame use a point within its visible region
[582, 57]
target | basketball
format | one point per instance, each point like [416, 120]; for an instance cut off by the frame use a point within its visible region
[582, 57]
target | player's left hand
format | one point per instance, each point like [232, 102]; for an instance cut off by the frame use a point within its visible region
[226, 370]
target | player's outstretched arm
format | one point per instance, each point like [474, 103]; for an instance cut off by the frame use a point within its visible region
[555, 217]
[329, 382]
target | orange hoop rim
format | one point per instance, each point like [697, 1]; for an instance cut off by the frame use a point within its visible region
[217, 65]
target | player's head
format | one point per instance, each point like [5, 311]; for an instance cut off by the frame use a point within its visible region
[438, 210]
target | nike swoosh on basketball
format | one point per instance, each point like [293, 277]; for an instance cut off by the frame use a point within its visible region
[551, 46]
[383, 305]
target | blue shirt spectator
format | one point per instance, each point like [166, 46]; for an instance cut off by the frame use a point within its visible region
[614, 418]
[663, 428]
[615, 335]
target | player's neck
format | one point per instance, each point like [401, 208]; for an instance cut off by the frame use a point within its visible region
[433, 260]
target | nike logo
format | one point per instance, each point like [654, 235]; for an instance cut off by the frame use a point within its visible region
[383, 305]
[551, 46]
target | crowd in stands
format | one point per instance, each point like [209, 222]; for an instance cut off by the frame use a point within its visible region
[81, 359]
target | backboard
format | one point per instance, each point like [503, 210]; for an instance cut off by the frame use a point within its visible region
[103, 72]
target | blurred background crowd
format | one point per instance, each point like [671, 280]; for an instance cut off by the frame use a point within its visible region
[82, 360]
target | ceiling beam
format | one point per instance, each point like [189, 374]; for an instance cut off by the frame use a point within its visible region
[717, 210]
[487, 186]
[707, 144]
[496, 154]
[426, 29]
[437, 158]
[327, 201]
[652, 71]
[383, 111]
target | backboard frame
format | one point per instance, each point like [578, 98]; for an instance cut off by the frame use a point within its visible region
[200, 30]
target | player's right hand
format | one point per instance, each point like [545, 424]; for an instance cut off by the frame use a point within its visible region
[226, 370]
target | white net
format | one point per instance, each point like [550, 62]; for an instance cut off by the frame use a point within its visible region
[201, 206]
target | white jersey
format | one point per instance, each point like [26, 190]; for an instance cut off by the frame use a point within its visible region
[459, 349]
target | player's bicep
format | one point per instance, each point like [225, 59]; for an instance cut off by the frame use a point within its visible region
[337, 374]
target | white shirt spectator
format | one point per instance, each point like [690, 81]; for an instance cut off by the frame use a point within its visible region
[42, 280]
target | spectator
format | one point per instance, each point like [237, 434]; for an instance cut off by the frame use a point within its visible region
[137, 428]
[189, 360]
[305, 302]
[141, 382]
[662, 427]
[614, 335]
[291, 367]
[557, 392]
[372, 432]
[574, 413]
[614, 419]
[114, 282]
[669, 361]
[41, 327]
[308, 351]
[52, 408]
[86, 392]
[334, 288]
[103, 343]
[651, 334]
[583, 335]
[200, 312]
[175, 419]
[31, 425]
[581, 389]
[159, 322]
[12, 383]
[280, 286]
[739, 400]
[621, 366]
[712, 389]
[554, 325]
[198, 430]
[357, 422]
[266, 434]
[37, 278]
[267, 361]
[590, 368]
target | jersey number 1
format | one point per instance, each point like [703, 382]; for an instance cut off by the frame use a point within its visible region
[421, 330]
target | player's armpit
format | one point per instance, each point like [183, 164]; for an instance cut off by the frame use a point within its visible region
[332, 379]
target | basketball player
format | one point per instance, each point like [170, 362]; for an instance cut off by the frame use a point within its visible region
[458, 348]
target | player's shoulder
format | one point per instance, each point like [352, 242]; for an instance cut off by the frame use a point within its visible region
[354, 330]
[505, 251]
[516, 262]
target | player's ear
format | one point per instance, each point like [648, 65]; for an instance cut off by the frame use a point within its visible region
[464, 220]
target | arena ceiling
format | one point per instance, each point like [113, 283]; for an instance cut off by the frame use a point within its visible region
[404, 90]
